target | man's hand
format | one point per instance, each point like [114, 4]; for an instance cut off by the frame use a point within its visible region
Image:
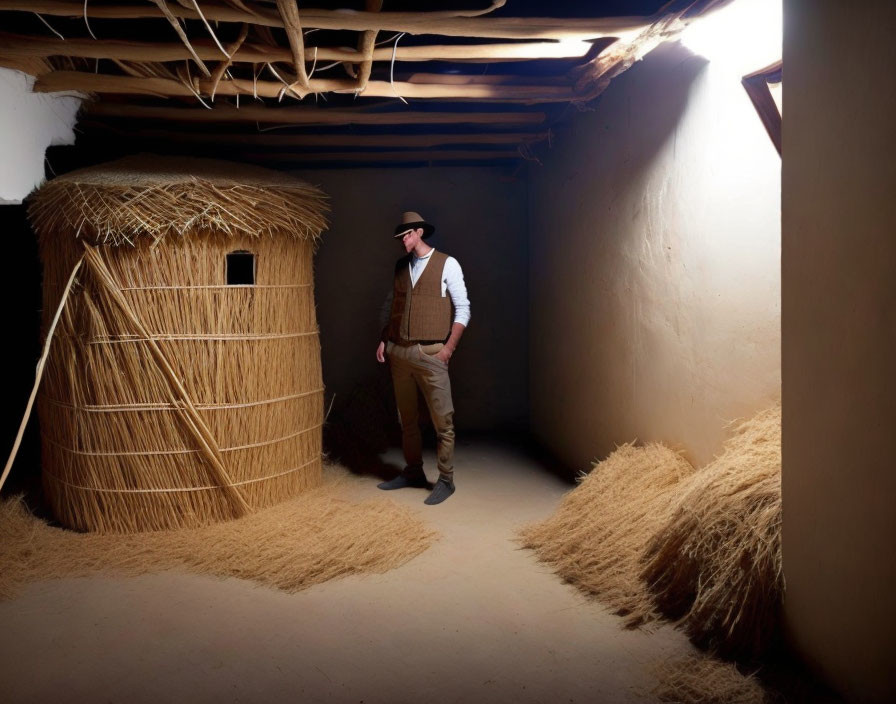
[379, 353]
[444, 354]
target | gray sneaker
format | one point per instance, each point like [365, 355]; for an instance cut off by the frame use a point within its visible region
[407, 479]
[443, 489]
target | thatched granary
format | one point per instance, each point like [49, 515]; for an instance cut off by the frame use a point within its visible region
[184, 381]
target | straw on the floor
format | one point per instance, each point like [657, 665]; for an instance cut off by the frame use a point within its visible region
[716, 562]
[317, 536]
[707, 542]
[598, 534]
[700, 679]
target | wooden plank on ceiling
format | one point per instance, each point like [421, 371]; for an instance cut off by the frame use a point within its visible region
[250, 52]
[440, 23]
[293, 115]
[55, 81]
[101, 131]
[376, 157]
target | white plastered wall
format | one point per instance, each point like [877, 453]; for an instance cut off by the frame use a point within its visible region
[29, 123]
[655, 265]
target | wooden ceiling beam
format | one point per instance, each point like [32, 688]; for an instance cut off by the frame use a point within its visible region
[593, 77]
[311, 116]
[366, 45]
[442, 23]
[289, 12]
[16, 45]
[488, 79]
[313, 140]
[55, 81]
[395, 156]
[32, 65]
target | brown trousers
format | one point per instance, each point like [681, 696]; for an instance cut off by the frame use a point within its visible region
[415, 367]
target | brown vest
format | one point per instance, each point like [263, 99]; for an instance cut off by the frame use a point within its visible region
[420, 312]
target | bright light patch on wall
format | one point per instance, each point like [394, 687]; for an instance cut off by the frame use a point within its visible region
[743, 36]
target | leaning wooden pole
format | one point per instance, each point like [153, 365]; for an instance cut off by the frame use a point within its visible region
[180, 399]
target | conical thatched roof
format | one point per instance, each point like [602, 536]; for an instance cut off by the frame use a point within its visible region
[158, 196]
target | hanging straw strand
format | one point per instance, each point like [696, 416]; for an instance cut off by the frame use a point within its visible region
[40, 372]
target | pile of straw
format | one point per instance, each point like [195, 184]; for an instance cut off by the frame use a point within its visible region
[312, 538]
[700, 679]
[647, 535]
[597, 536]
[716, 564]
[154, 196]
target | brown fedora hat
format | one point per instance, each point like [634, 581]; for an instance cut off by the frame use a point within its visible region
[411, 221]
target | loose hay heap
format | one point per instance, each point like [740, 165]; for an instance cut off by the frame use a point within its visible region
[314, 537]
[597, 536]
[707, 542]
[704, 680]
[175, 396]
[716, 564]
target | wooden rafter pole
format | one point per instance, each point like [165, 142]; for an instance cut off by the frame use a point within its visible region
[311, 116]
[393, 156]
[172, 20]
[15, 45]
[310, 140]
[32, 65]
[55, 81]
[222, 67]
[366, 45]
[593, 77]
[442, 23]
[491, 79]
[289, 12]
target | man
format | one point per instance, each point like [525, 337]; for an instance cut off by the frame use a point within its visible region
[419, 339]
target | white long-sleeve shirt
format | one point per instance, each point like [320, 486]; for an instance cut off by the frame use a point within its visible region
[452, 285]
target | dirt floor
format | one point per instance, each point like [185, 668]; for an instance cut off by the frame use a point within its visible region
[474, 619]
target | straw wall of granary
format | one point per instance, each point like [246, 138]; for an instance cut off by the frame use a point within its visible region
[118, 453]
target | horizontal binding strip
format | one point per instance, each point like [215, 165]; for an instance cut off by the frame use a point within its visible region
[111, 408]
[180, 452]
[223, 286]
[176, 491]
[188, 288]
[175, 338]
